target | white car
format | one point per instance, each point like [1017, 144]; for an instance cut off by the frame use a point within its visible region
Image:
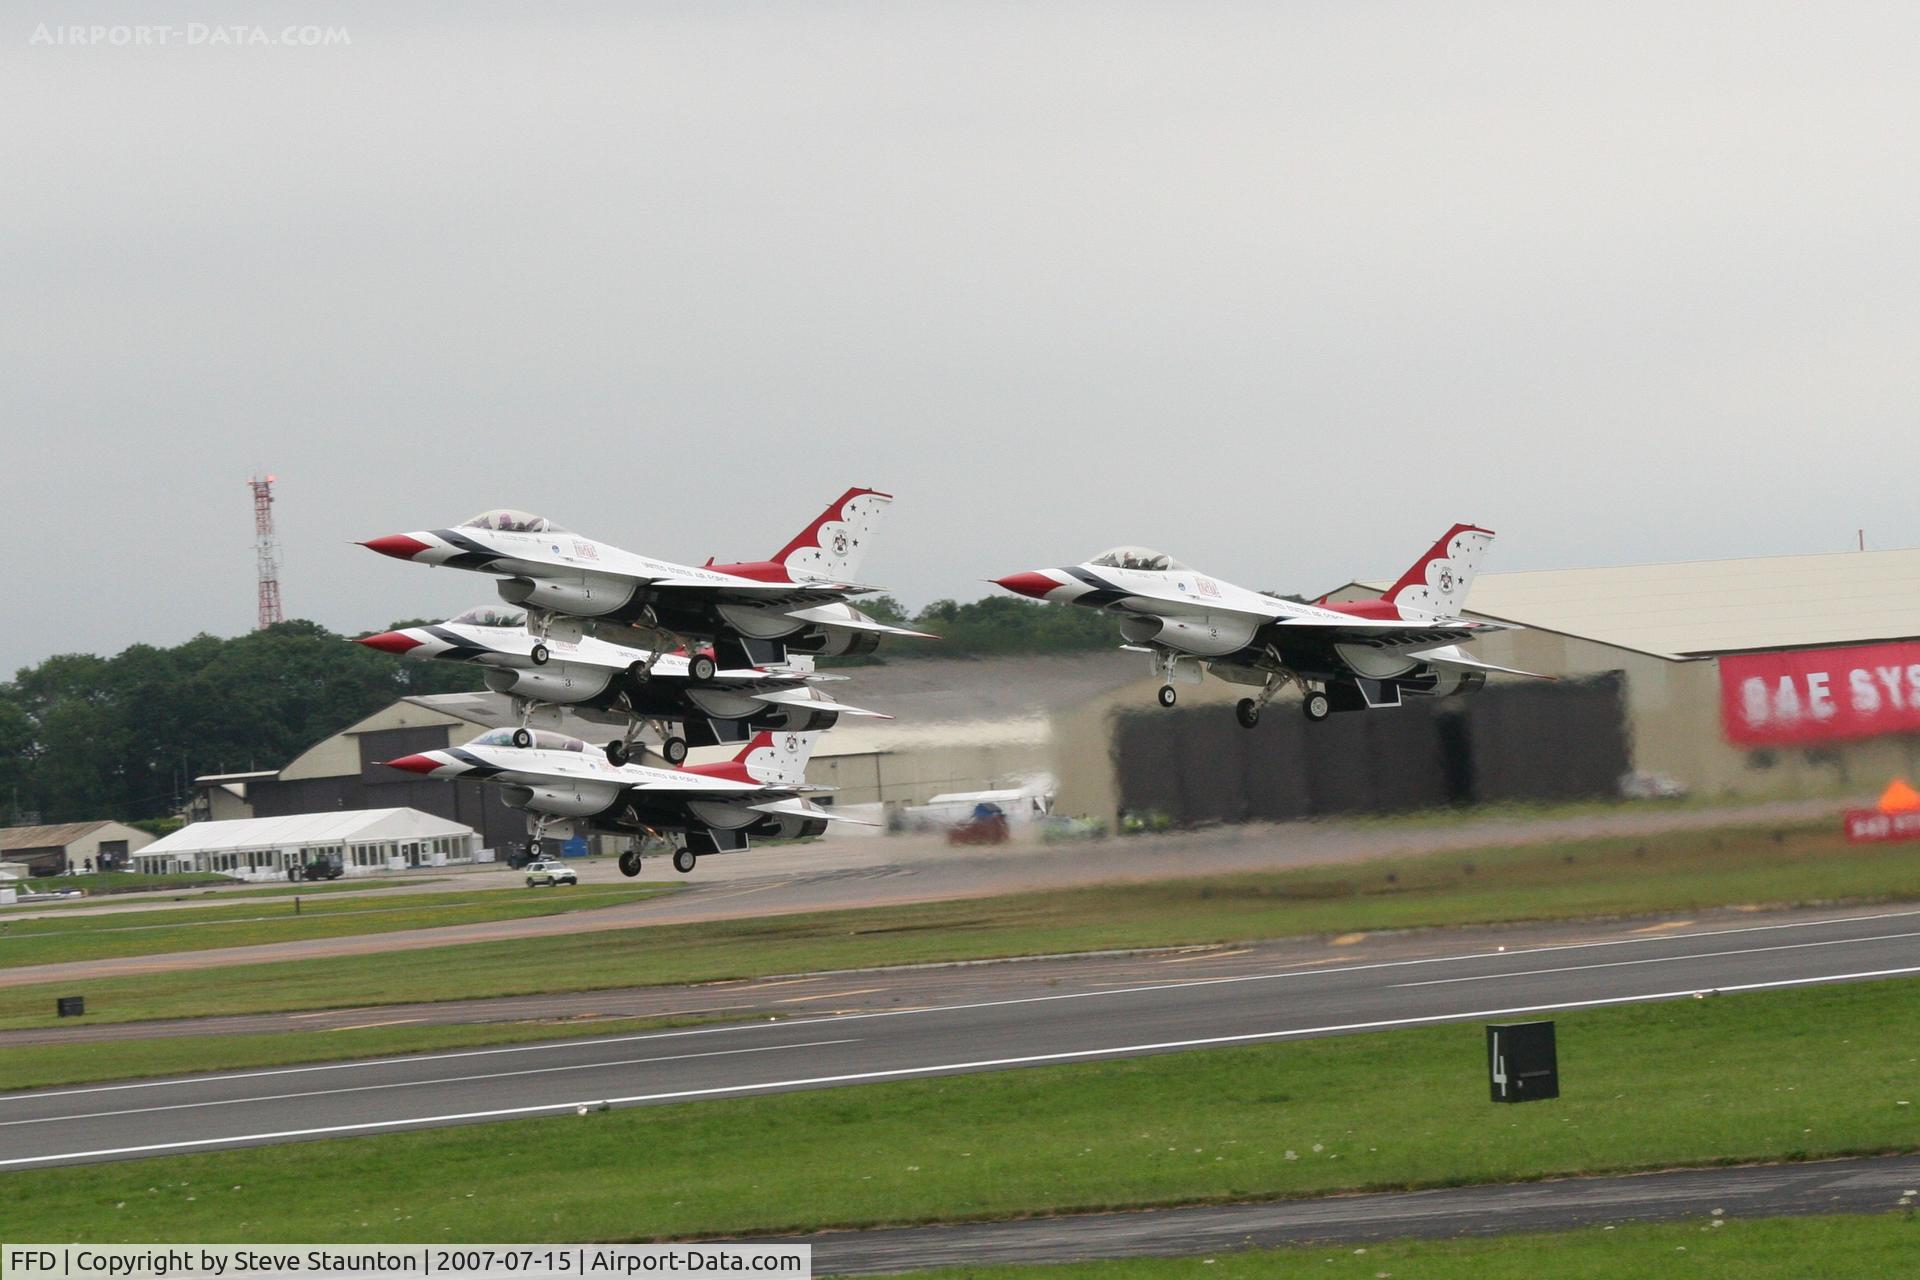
[548, 872]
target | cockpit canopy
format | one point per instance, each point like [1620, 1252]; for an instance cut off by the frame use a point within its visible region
[1135, 558]
[507, 520]
[543, 740]
[491, 615]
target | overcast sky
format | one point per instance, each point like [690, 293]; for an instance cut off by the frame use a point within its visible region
[1280, 288]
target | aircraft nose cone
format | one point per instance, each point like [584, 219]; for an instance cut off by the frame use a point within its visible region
[397, 545]
[1036, 585]
[414, 764]
[390, 642]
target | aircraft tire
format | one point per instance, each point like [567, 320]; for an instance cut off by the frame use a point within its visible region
[675, 750]
[630, 863]
[1316, 705]
[1167, 696]
[540, 655]
[683, 861]
[616, 753]
[523, 738]
[700, 668]
[1247, 712]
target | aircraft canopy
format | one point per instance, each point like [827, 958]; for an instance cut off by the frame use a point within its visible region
[507, 520]
[491, 615]
[1136, 558]
[543, 740]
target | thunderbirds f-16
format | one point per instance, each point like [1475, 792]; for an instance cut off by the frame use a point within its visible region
[752, 614]
[1345, 657]
[612, 683]
[715, 807]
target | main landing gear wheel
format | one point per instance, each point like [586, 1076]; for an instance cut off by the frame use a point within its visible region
[540, 655]
[523, 738]
[1316, 706]
[683, 861]
[675, 750]
[630, 863]
[1247, 712]
[1167, 696]
[700, 668]
[616, 753]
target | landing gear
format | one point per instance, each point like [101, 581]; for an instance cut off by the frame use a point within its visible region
[1247, 712]
[616, 753]
[683, 861]
[630, 863]
[1167, 696]
[523, 737]
[540, 655]
[701, 668]
[675, 750]
[1316, 705]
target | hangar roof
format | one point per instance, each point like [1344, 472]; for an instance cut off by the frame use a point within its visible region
[339, 826]
[58, 836]
[1699, 608]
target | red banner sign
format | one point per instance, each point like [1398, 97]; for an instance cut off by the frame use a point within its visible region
[1869, 826]
[1818, 695]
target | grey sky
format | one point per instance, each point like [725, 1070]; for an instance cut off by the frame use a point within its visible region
[1283, 289]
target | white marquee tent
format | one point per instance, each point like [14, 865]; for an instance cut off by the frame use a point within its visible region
[363, 840]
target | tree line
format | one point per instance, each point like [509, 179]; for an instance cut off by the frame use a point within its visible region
[85, 737]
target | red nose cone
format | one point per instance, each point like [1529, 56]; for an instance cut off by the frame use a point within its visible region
[390, 642]
[414, 764]
[397, 545]
[1027, 584]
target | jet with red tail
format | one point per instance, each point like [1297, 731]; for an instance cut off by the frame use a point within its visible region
[1363, 655]
[753, 613]
[713, 808]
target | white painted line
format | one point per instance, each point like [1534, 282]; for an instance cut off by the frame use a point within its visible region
[1207, 955]
[1619, 964]
[411, 1084]
[548, 1046]
[507, 1113]
[367, 1026]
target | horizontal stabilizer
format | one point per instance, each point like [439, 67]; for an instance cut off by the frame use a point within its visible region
[798, 807]
[804, 699]
[1452, 656]
[854, 620]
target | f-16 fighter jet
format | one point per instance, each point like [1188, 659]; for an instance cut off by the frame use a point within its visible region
[613, 684]
[716, 807]
[1345, 657]
[754, 613]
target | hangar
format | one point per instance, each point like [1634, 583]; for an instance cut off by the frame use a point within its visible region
[51, 850]
[363, 841]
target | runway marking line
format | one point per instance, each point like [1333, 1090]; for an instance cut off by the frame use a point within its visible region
[935, 1069]
[830, 995]
[409, 1084]
[364, 1026]
[1662, 928]
[1619, 964]
[551, 1045]
[1207, 955]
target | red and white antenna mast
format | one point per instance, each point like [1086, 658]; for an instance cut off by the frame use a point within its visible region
[266, 552]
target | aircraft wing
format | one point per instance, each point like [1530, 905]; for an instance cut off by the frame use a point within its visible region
[777, 593]
[803, 698]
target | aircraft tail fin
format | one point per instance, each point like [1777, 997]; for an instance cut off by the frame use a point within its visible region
[778, 759]
[833, 546]
[1438, 581]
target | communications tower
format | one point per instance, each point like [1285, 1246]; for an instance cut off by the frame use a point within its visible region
[266, 552]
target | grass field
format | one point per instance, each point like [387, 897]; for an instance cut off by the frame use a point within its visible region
[49, 939]
[1853, 1247]
[1781, 1075]
[1678, 871]
[42, 1065]
[100, 882]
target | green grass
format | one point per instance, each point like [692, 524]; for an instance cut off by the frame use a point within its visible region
[1853, 1246]
[1679, 871]
[1781, 1075]
[101, 882]
[42, 1065]
[55, 938]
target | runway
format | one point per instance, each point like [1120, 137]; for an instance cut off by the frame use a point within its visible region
[975, 1018]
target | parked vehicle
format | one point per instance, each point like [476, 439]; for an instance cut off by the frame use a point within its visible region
[551, 872]
[318, 869]
[988, 825]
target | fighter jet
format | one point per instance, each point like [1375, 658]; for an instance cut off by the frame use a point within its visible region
[613, 684]
[753, 613]
[1344, 657]
[715, 807]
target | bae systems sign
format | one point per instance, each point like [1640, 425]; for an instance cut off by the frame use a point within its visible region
[1819, 695]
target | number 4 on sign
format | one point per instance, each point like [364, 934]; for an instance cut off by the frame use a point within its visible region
[1500, 1071]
